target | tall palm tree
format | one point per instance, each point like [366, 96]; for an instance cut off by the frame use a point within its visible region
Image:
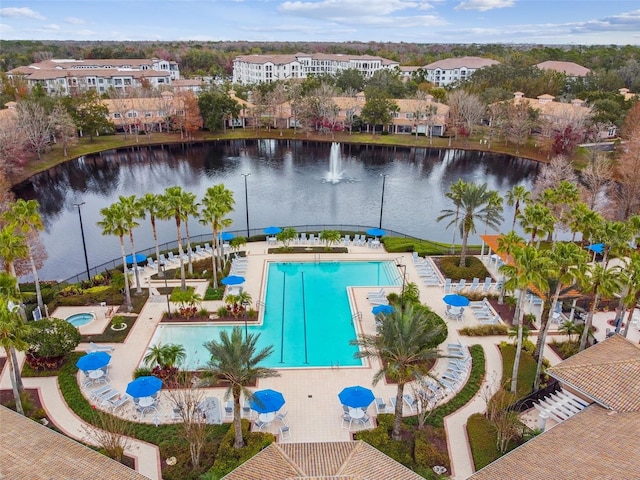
[9, 291]
[132, 211]
[236, 360]
[527, 270]
[454, 194]
[537, 220]
[114, 222]
[585, 221]
[560, 200]
[566, 263]
[190, 208]
[515, 197]
[13, 332]
[475, 204]
[631, 279]
[403, 344]
[12, 248]
[25, 217]
[174, 200]
[217, 203]
[616, 237]
[506, 244]
[600, 282]
[152, 204]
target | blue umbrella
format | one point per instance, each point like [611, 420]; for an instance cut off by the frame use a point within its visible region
[272, 230]
[265, 401]
[356, 397]
[596, 247]
[139, 258]
[376, 232]
[456, 300]
[232, 280]
[93, 361]
[225, 236]
[385, 309]
[144, 386]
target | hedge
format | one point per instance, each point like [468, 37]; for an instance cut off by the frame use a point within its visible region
[482, 440]
[484, 330]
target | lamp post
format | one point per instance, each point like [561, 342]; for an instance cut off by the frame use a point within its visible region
[166, 287]
[84, 244]
[404, 275]
[384, 179]
[246, 200]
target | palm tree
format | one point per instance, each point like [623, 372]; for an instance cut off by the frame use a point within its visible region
[601, 282]
[12, 248]
[616, 237]
[475, 203]
[165, 356]
[190, 207]
[236, 360]
[516, 196]
[114, 222]
[13, 332]
[569, 328]
[25, 217]
[584, 220]
[152, 204]
[631, 278]
[560, 200]
[132, 210]
[454, 194]
[566, 264]
[217, 203]
[537, 220]
[506, 244]
[404, 343]
[527, 270]
[9, 291]
[174, 201]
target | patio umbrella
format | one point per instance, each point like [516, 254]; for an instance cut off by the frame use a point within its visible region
[356, 397]
[266, 401]
[232, 280]
[596, 247]
[456, 300]
[225, 236]
[139, 258]
[93, 361]
[376, 232]
[385, 309]
[144, 386]
[272, 230]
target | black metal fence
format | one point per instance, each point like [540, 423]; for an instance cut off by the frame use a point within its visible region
[527, 402]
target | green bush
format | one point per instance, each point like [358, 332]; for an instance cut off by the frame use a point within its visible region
[214, 294]
[565, 349]
[485, 330]
[482, 440]
[52, 337]
[449, 266]
[426, 454]
[141, 372]
[422, 247]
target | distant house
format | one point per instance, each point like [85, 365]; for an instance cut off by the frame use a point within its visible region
[599, 442]
[196, 85]
[570, 69]
[558, 113]
[250, 69]
[317, 461]
[69, 76]
[451, 70]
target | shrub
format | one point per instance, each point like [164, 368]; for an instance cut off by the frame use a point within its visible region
[449, 266]
[141, 372]
[426, 454]
[222, 311]
[482, 440]
[52, 339]
[117, 320]
[484, 330]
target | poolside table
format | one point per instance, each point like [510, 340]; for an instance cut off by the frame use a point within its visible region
[96, 375]
[267, 417]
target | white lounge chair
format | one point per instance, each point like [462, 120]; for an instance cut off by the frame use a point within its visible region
[94, 347]
[410, 402]
[377, 293]
[461, 284]
[475, 284]
[487, 285]
[447, 285]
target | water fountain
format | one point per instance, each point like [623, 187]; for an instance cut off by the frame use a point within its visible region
[335, 165]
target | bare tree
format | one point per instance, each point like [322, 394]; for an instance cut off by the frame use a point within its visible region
[275, 99]
[35, 125]
[64, 128]
[468, 109]
[628, 175]
[110, 432]
[596, 181]
[516, 120]
[14, 151]
[559, 169]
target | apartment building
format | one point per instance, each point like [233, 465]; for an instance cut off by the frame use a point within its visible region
[67, 76]
[570, 69]
[452, 70]
[250, 69]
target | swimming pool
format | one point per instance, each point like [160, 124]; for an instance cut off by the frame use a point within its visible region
[80, 319]
[307, 320]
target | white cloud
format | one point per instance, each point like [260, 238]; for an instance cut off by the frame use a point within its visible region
[629, 21]
[484, 5]
[51, 27]
[74, 20]
[85, 32]
[23, 12]
[329, 9]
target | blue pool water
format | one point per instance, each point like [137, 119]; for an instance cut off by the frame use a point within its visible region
[80, 319]
[307, 319]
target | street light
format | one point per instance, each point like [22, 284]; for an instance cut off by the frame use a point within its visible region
[404, 275]
[166, 287]
[384, 179]
[246, 200]
[84, 244]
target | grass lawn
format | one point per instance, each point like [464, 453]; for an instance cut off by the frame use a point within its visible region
[526, 372]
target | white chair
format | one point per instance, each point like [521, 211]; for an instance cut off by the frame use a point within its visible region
[377, 293]
[346, 240]
[487, 285]
[228, 410]
[260, 424]
[381, 407]
[410, 402]
[285, 432]
[475, 284]
[99, 348]
[447, 285]
[282, 417]
[461, 284]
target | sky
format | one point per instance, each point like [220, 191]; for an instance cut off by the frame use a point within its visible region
[410, 21]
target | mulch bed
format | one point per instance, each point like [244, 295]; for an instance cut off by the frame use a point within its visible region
[6, 397]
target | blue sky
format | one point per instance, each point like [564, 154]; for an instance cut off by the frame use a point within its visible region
[420, 21]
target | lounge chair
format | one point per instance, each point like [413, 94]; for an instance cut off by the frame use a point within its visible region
[492, 321]
[312, 238]
[475, 284]
[378, 293]
[207, 248]
[392, 402]
[121, 400]
[487, 285]
[94, 347]
[346, 240]
[410, 402]
[378, 300]
[381, 407]
[228, 410]
[479, 305]
[447, 285]
[461, 284]
[246, 410]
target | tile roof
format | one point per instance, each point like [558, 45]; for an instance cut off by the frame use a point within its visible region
[317, 461]
[608, 373]
[570, 68]
[32, 451]
[594, 444]
[459, 62]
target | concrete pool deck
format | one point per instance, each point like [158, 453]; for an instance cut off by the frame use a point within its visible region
[314, 411]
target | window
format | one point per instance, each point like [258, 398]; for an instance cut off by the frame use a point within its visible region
[117, 115]
[409, 115]
[132, 114]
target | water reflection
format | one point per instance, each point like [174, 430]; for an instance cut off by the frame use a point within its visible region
[285, 188]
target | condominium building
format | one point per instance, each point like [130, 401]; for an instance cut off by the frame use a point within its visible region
[451, 70]
[249, 69]
[570, 69]
[66, 76]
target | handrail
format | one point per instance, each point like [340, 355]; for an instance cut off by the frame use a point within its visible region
[357, 316]
[260, 303]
